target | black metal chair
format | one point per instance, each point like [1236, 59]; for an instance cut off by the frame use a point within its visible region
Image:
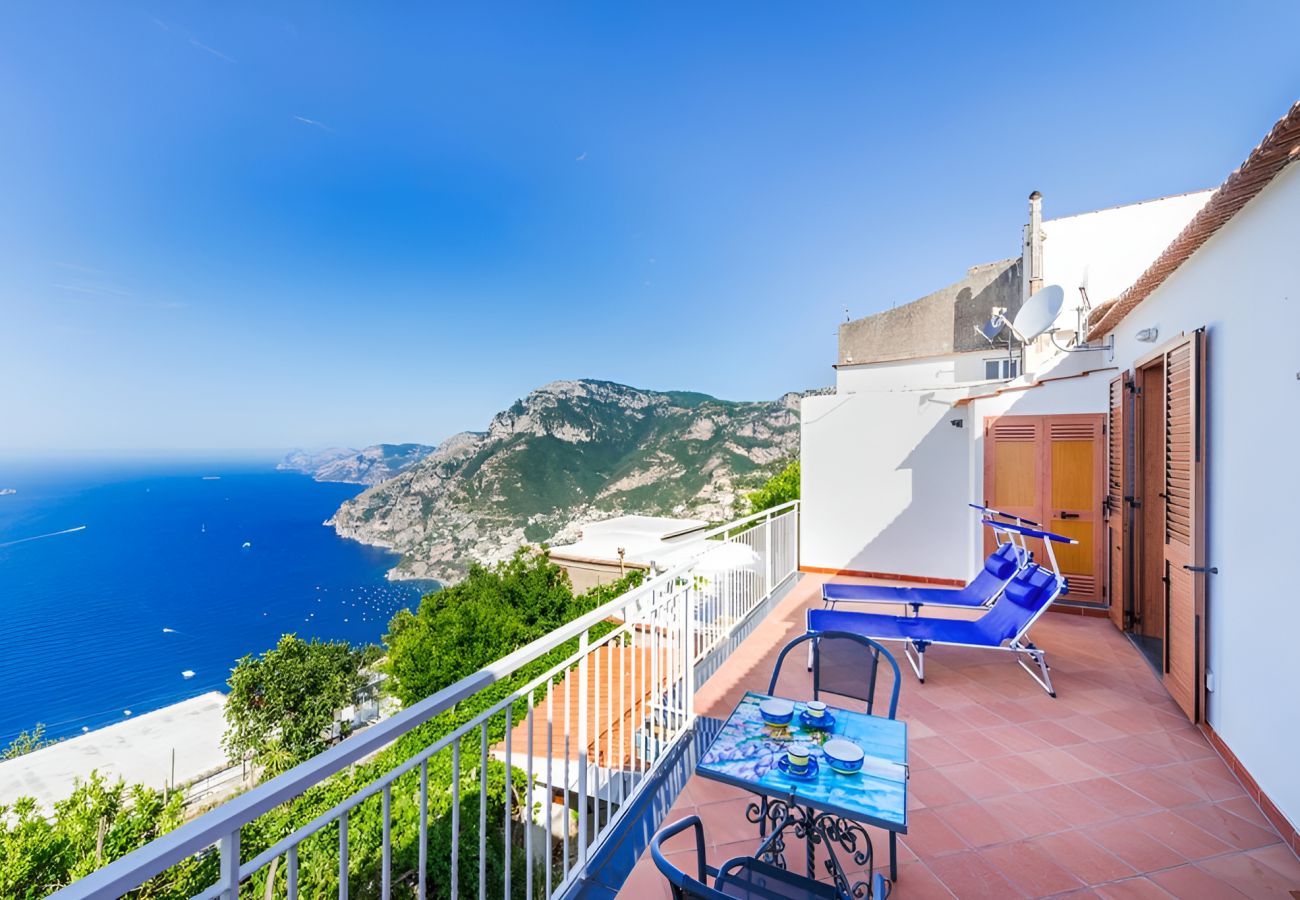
[744, 876]
[843, 664]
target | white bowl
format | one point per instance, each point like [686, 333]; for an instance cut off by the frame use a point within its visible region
[843, 755]
[776, 710]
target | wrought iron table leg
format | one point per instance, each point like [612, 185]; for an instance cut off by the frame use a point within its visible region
[810, 817]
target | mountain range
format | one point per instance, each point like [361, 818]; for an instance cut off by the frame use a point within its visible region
[370, 465]
[570, 453]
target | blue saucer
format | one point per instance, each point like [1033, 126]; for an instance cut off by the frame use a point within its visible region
[783, 763]
[825, 723]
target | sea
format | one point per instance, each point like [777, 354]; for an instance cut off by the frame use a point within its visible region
[129, 586]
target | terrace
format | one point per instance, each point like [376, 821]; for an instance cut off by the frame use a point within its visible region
[1106, 791]
[1012, 793]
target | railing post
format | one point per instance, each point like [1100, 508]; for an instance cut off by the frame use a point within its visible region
[692, 593]
[229, 880]
[581, 802]
[767, 539]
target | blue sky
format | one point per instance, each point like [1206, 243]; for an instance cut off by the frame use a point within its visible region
[261, 225]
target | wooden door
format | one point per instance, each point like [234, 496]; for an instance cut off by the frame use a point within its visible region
[1183, 557]
[1074, 476]
[1051, 469]
[1115, 509]
[1013, 471]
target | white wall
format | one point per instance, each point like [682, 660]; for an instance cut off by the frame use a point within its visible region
[884, 477]
[1244, 287]
[1114, 246]
[914, 374]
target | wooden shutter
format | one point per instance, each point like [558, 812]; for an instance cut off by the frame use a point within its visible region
[1012, 469]
[1074, 473]
[1184, 525]
[1116, 509]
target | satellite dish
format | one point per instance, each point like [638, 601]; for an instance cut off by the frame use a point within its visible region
[1039, 313]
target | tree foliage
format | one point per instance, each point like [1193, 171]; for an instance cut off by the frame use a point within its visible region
[453, 633]
[780, 488]
[282, 704]
[459, 630]
[26, 742]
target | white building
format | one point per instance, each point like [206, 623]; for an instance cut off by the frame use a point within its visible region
[606, 550]
[1167, 447]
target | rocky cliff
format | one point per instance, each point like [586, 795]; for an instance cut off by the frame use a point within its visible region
[369, 466]
[569, 453]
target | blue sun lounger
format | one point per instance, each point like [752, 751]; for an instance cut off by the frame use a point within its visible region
[1002, 564]
[1005, 626]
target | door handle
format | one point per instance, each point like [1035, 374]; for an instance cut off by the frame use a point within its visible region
[1069, 515]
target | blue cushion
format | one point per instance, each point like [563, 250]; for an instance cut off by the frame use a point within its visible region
[1022, 590]
[1026, 589]
[1000, 566]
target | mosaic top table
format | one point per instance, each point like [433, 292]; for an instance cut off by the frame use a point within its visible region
[827, 805]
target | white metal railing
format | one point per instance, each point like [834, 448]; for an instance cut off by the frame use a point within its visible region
[576, 742]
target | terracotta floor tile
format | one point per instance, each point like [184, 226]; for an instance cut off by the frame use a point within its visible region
[1280, 859]
[1084, 858]
[917, 882]
[929, 836]
[1252, 877]
[1019, 771]
[1105, 759]
[971, 877]
[1065, 767]
[979, 827]
[1182, 835]
[1132, 844]
[1017, 738]
[978, 781]
[1031, 870]
[978, 745]
[1192, 881]
[1158, 789]
[1231, 829]
[934, 789]
[1115, 797]
[1245, 808]
[1027, 814]
[937, 751]
[1135, 889]
[1071, 805]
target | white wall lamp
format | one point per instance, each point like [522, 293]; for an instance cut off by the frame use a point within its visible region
[1148, 335]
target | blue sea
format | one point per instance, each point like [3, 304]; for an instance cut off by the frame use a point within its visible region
[117, 578]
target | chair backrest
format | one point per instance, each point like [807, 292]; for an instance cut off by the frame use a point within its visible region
[844, 664]
[1022, 601]
[684, 886]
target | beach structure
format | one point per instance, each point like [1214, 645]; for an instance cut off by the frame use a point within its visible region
[1149, 419]
[607, 550]
[173, 746]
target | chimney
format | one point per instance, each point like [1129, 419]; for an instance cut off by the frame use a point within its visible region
[1033, 252]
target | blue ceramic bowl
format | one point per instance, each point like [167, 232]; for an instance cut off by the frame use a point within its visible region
[776, 712]
[843, 756]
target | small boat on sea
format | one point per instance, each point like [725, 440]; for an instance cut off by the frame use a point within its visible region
[247, 544]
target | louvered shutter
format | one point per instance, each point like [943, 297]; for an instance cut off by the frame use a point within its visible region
[1012, 469]
[1184, 531]
[1074, 472]
[1116, 510]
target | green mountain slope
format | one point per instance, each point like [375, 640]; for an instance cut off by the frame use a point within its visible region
[570, 453]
